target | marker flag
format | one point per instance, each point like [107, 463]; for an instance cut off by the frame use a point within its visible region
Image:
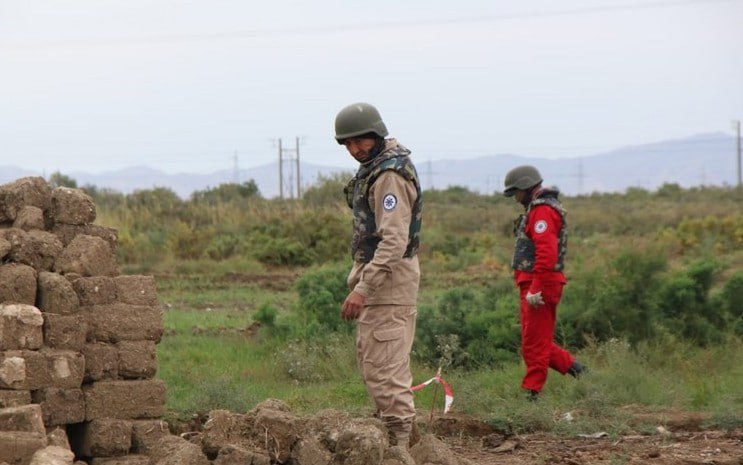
[448, 393]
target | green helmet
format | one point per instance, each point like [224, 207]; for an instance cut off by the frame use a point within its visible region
[357, 119]
[522, 177]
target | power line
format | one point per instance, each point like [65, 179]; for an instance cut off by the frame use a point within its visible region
[335, 29]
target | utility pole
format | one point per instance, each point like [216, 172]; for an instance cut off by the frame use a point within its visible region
[281, 172]
[428, 174]
[235, 170]
[296, 150]
[736, 126]
[295, 158]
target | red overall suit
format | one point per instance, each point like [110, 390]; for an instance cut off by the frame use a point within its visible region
[542, 227]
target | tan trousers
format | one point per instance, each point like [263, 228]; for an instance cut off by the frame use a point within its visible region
[384, 338]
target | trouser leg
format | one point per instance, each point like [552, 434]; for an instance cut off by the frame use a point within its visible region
[385, 336]
[538, 349]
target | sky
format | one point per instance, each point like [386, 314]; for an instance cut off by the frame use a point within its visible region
[201, 86]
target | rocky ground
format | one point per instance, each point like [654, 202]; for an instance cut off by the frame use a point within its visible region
[678, 439]
[457, 439]
[687, 448]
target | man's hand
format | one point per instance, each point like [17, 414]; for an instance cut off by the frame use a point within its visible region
[534, 299]
[352, 306]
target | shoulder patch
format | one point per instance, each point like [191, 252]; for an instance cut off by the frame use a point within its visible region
[389, 202]
[540, 226]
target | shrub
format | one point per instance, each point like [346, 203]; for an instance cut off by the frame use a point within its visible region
[470, 329]
[615, 302]
[683, 300]
[321, 292]
[266, 315]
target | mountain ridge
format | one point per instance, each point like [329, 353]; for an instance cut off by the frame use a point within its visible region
[702, 159]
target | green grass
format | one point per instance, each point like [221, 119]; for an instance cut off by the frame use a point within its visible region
[208, 362]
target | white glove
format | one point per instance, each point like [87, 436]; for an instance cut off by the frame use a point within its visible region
[534, 299]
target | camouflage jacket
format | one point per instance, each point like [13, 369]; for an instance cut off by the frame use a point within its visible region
[365, 235]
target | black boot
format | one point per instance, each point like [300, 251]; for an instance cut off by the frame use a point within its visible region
[577, 369]
[532, 396]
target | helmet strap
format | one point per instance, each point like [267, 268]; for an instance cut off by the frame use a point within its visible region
[531, 192]
[378, 147]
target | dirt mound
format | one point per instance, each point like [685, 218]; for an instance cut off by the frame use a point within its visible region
[270, 433]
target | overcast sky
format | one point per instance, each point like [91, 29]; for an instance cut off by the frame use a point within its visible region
[183, 86]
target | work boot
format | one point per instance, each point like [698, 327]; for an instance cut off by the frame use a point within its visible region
[532, 395]
[577, 369]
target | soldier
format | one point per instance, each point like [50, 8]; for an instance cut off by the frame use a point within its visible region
[538, 261]
[385, 196]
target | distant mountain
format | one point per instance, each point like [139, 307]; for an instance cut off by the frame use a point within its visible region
[706, 159]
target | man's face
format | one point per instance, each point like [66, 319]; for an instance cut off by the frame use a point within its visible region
[359, 147]
[519, 196]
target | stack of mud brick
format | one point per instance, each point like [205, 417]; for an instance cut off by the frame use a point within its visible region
[77, 340]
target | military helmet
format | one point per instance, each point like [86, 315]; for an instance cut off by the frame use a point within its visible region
[358, 119]
[522, 177]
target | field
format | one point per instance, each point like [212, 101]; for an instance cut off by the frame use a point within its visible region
[688, 411]
[251, 290]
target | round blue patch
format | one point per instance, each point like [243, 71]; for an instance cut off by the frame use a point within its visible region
[390, 202]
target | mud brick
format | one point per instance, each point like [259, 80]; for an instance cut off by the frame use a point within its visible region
[32, 190]
[136, 290]
[11, 398]
[17, 283]
[96, 290]
[105, 437]
[123, 322]
[87, 256]
[57, 436]
[22, 433]
[125, 399]
[25, 418]
[71, 206]
[174, 450]
[64, 331]
[146, 433]
[137, 359]
[5, 247]
[29, 217]
[37, 249]
[56, 294]
[52, 455]
[67, 232]
[20, 327]
[17, 448]
[31, 370]
[60, 406]
[101, 361]
[123, 460]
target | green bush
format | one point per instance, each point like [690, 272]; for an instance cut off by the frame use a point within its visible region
[617, 301]
[266, 315]
[470, 329]
[321, 292]
[684, 302]
[281, 251]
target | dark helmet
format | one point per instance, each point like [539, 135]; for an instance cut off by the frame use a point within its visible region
[358, 119]
[522, 177]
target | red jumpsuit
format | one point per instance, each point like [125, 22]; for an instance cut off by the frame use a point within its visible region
[538, 323]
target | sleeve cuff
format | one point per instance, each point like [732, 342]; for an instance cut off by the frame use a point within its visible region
[362, 289]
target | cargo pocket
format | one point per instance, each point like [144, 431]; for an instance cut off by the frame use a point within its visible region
[389, 347]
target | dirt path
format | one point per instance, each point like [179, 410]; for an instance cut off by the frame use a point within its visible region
[702, 447]
[677, 438]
